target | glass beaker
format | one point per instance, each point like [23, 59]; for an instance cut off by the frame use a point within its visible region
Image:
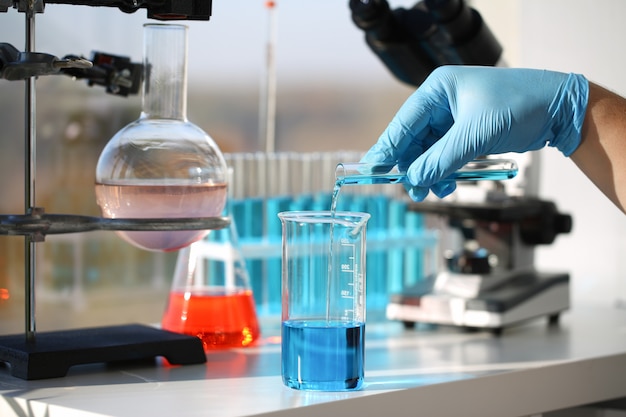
[162, 165]
[323, 299]
[211, 297]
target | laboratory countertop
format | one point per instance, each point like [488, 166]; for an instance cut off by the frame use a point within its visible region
[529, 369]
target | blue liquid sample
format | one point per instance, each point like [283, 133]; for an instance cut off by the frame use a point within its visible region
[400, 178]
[323, 356]
[373, 173]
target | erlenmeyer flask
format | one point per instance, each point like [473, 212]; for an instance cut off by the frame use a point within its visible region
[211, 297]
[162, 165]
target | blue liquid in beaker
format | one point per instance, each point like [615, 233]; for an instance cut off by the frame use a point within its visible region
[323, 355]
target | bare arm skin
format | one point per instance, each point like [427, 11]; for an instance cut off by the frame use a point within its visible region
[601, 154]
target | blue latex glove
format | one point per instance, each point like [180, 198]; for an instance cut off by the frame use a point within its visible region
[460, 113]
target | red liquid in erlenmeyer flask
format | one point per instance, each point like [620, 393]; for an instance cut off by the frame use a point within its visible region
[221, 319]
[161, 201]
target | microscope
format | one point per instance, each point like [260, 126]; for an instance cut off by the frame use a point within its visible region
[488, 279]
[411, 43]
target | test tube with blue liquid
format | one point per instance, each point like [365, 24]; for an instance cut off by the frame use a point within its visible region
[359, 173]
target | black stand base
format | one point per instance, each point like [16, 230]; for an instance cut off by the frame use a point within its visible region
[53, 353]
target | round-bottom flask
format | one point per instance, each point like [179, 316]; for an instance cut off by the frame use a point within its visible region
[162, 165]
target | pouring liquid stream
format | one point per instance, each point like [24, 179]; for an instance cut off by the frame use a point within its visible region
[333, 212]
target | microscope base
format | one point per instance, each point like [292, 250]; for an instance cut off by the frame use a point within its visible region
[526, 296]
[53, 353]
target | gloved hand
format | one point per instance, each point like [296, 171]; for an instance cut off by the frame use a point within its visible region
[460, 113]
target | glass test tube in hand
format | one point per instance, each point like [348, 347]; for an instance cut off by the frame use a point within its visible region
[357, 173]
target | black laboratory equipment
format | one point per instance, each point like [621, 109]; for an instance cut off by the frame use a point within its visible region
[413, 42]
[50, 354]
[488, 280]
[155, 9]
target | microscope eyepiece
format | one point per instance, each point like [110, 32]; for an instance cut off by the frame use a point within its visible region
[413, 42]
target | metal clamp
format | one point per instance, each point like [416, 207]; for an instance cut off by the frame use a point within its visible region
[16, 65]
[36, 224]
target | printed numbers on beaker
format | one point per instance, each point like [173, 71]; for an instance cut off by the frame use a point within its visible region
[346, 268]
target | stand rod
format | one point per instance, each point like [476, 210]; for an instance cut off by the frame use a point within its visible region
[29, 178]
[267, 117]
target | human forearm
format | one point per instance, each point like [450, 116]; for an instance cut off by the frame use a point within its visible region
[601, 154]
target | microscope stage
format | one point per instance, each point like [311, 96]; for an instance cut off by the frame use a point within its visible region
[526, 295]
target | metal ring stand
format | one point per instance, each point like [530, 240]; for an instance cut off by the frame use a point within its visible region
[51, 354]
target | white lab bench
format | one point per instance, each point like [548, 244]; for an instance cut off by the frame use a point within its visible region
[531, 369]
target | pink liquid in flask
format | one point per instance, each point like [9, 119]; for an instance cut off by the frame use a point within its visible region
[161, 201]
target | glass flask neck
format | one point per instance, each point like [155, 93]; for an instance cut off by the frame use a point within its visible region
[165, 72]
